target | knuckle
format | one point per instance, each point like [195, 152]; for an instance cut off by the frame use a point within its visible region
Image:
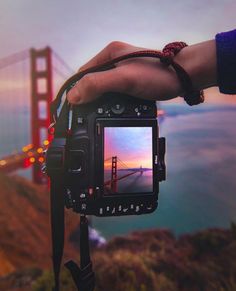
[114, 47]
[116, 44]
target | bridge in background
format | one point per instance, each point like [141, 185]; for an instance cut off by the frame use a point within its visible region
[28, 80]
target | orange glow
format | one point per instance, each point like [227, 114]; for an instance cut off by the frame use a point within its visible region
[27, 147]
[46, 142]
[3, 163]
[30, 146]
[32, 160]
[24, 149]
[39, 150]
[30, 154]
[41, 159]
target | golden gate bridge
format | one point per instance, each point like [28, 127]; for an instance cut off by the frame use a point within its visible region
[116, 164]
[28, 80]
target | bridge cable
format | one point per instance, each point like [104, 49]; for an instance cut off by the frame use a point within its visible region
[13, 58]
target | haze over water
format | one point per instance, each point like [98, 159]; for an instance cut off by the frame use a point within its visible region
[200, 190]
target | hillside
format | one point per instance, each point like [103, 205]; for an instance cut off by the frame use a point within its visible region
[152, 260]
[155, 260]
[24, 221]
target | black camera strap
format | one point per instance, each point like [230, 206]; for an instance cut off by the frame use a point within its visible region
[57, 225]
[84, 276]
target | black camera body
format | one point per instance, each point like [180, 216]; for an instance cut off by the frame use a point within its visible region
[113, 159]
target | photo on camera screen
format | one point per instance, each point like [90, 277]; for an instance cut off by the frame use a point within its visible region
[128, 160]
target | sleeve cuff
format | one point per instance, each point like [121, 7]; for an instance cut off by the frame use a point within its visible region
[226, 61]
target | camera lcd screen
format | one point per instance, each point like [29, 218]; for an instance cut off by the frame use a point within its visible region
[128, 160]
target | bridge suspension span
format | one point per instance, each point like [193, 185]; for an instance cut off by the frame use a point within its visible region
[28, 81]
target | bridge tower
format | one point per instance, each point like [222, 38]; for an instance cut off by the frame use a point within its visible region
[114, 174]
[41, 97]
[141, 169]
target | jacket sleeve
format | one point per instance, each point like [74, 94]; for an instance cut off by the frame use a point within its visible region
[226, 61]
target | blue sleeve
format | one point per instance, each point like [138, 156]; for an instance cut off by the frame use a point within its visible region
[226, 61]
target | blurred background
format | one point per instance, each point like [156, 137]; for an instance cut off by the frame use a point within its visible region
[45, 42]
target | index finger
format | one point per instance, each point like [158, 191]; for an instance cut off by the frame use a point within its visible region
[112, 50]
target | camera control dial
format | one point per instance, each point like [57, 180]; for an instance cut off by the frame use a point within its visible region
[118, 108]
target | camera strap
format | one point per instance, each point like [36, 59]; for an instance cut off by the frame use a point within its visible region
[57, 192]
[166, 56]
[84, 276]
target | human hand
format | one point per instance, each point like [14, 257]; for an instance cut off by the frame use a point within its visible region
[144, 77]
[141, 77]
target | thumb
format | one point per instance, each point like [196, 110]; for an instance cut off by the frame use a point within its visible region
[94, 85]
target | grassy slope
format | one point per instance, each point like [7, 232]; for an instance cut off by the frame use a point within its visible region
[24, 221]
[152, 260]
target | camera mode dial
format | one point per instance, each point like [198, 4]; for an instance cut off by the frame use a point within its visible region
[118, 108]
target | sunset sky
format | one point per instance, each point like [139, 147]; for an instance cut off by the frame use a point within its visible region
[132, 145]
[78, 29]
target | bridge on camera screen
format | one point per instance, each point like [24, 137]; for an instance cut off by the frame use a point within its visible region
[28, 81]
[125, 171]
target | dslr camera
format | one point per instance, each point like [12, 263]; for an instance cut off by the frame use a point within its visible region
[112, 160]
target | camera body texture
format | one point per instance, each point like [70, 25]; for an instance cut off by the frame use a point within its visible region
[113, 159]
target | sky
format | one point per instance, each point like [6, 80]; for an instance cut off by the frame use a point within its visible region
[78, 29]
[132, 145]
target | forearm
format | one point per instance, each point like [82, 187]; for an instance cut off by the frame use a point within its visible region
[210, 63]
[200, 63]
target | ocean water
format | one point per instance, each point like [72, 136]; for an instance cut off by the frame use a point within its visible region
[200, 190]
[135, 183]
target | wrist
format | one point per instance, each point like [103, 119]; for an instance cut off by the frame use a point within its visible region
[199, 61]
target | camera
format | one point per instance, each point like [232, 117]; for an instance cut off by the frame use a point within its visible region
[112, 159]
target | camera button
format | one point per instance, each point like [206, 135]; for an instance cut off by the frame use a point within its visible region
[100, 110]
[83, 206]
[118, 108]
[150, 207]
[82, 195]
[137, 208]
[146, 108]
[80, 120]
